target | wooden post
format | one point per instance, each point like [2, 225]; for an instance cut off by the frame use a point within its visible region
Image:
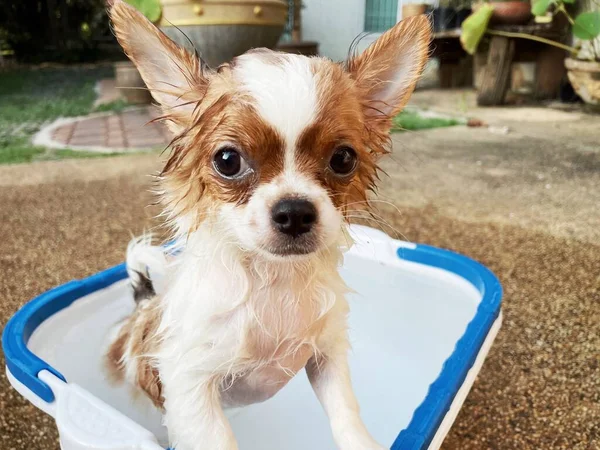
[479, 62]
[496, 77]
[549, 72]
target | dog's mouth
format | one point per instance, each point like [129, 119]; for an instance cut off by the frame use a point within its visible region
[293, 247]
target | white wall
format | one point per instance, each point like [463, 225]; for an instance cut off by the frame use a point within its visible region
[333, 24]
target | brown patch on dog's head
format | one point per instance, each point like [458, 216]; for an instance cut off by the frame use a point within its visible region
[338, 123]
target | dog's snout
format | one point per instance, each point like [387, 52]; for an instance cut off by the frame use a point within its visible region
[294, 216]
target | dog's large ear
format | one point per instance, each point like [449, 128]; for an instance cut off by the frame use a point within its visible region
[387, 71]
[176, 78]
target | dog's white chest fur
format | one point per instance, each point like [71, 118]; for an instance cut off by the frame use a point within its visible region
[280, 337]
[256, 322]
[261, 383]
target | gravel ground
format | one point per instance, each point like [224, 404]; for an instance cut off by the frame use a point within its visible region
[54, 232]
[540, 386]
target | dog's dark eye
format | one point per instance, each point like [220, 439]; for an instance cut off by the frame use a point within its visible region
[229, 163]
[343, 161]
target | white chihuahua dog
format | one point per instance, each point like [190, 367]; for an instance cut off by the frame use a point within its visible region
[269, 151]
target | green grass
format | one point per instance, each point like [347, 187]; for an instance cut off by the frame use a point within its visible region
[44, 94]
[31, 98]
[28, 153]
[410, 120]
[18, 150]
[65, 153]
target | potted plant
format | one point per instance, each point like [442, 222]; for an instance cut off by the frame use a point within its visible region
[127, 77]
[218, 29]
[223, 29]
[511, 12]
[583, 65]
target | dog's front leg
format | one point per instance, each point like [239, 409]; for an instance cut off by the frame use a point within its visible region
[329, 376]
[194, 415]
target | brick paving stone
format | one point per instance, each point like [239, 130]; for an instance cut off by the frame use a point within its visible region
[129, 129]
[135, 120]
[82, 131]
[63, 134]
[95, 122]
[91, 141]
[115, 134]
[142, 142]
[85, 132]
[115, 131]
[147, 132]
[140, 131]
[116, 143]
[113, 121]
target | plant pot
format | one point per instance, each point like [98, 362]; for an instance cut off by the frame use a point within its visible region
[461, 16]
[585, 79]
[306, 48]
[413, 9]
[130, 84]
[222, 29]
[443, 18]
[511, 13]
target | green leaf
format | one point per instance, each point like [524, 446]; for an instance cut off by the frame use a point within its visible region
[149, 8]
[474, 27]
[587, 25]
[568, 1]
[540, 7]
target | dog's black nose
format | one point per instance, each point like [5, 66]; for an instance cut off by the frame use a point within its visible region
[294, 216]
